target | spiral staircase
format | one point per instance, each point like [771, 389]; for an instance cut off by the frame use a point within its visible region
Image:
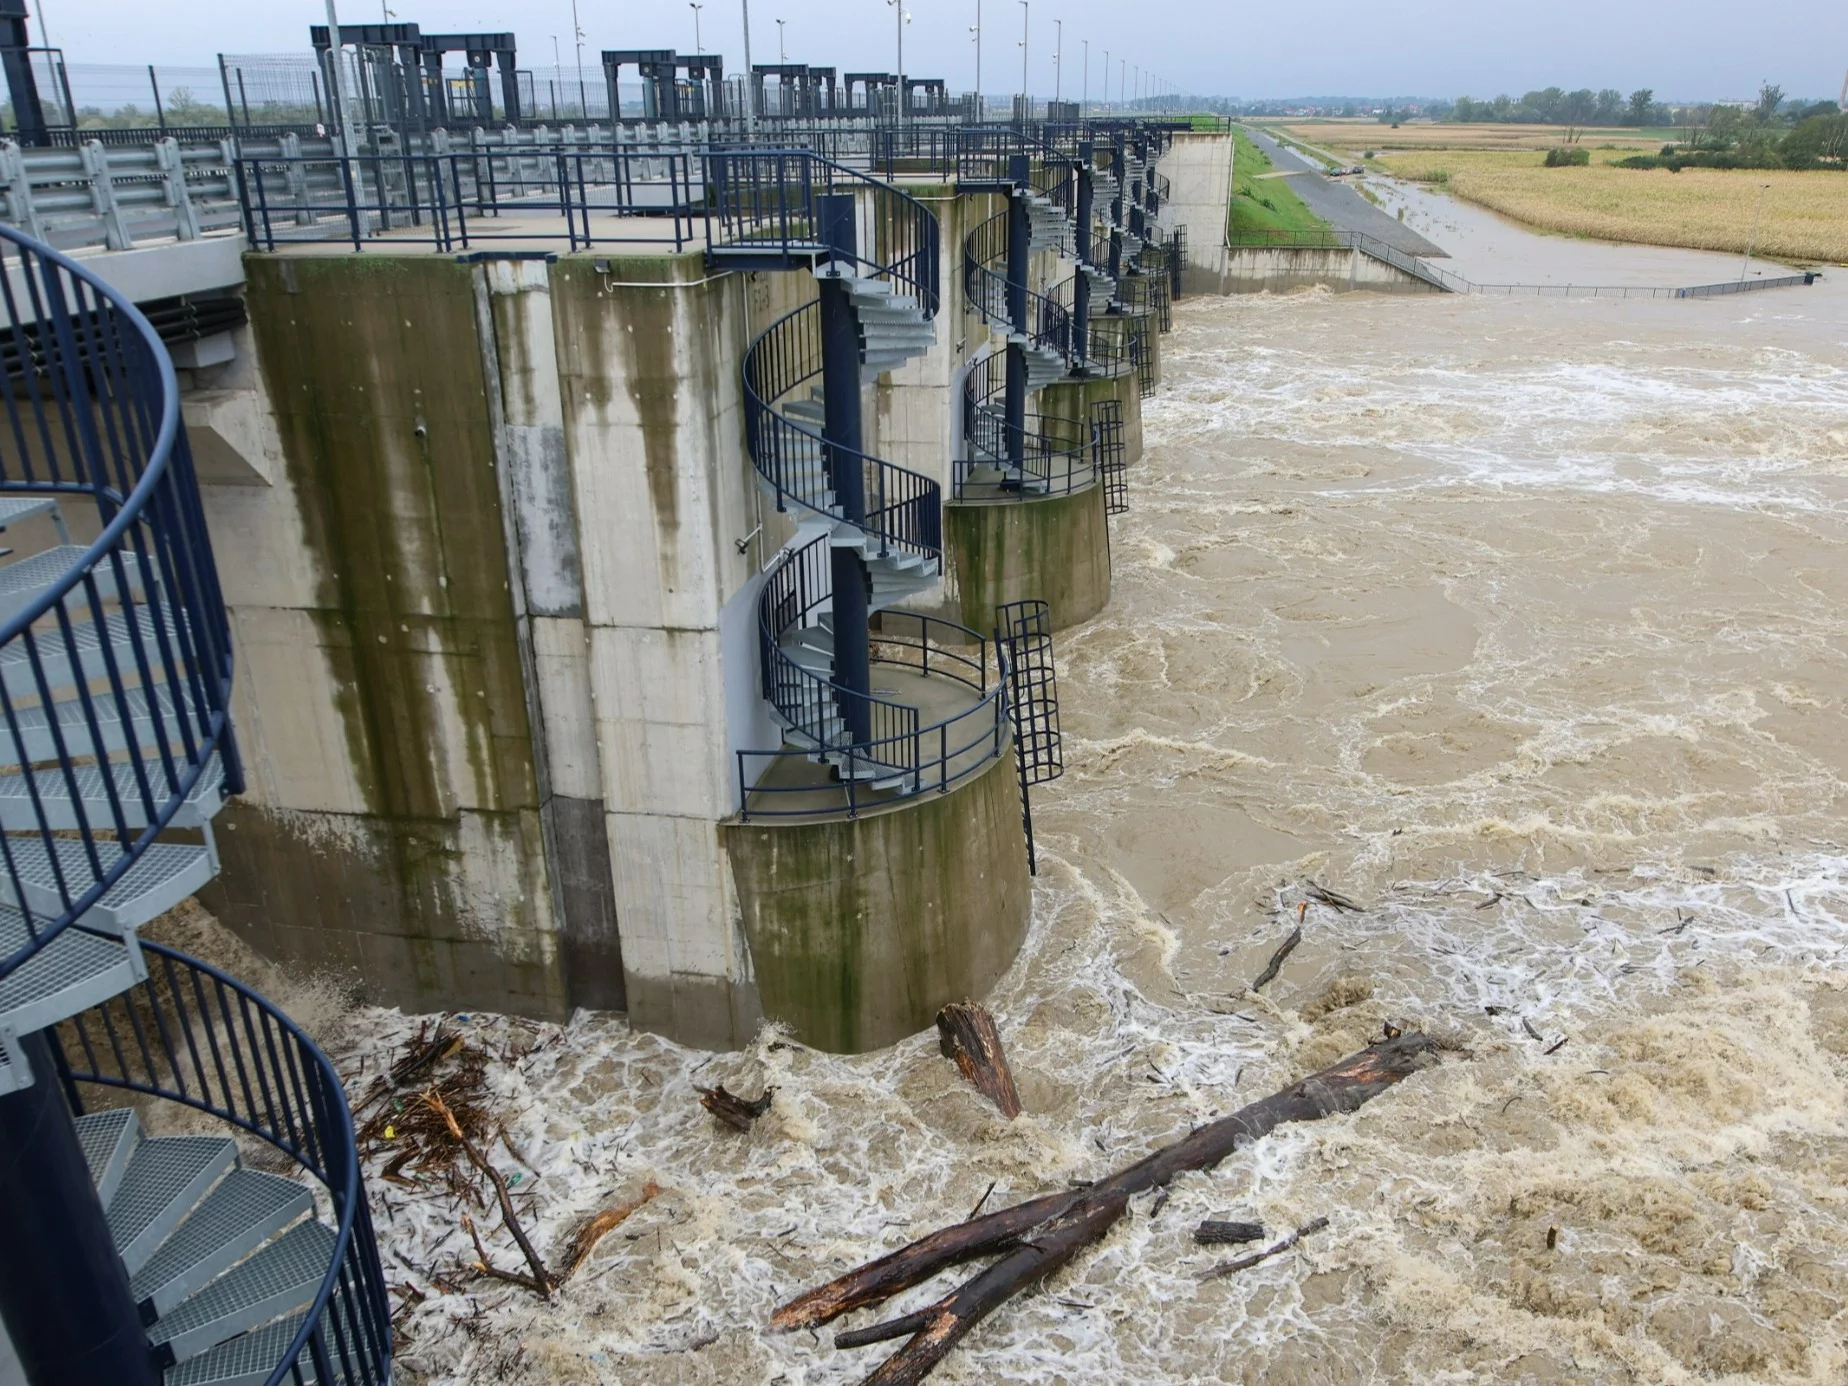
[860, 520]
[136, 1258]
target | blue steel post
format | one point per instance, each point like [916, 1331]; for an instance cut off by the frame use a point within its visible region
[1019, 252]
[63, 1289]
[841, 435]
[1081, 290]
[1117, 171]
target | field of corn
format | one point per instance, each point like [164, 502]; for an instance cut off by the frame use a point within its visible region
[1804, 218]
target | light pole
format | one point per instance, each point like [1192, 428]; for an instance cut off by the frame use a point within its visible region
[1058, 59]
[577, 37]
[977, 31]
[903, 19]
[1085, 104]
[750, 80]
[1026, 13]
[782, 53]
[1122, 77]
[697, 46]
[1106, 79]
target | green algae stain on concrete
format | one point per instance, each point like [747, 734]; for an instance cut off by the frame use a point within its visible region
[374, 365]
[862, 929]
[1056, 550]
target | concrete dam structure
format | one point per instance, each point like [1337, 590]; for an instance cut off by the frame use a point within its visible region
[515, 564]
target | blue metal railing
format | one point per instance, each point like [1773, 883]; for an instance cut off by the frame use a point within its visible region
[1049, 320]
[135, 626]
[768, 201]
[1053, 455]
[194, 1036]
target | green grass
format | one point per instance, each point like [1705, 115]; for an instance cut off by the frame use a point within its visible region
[1267, 204]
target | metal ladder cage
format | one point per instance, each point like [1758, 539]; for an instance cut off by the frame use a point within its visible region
[1023, 634]
[135, 623]
[1112, 454]
[193, 1035]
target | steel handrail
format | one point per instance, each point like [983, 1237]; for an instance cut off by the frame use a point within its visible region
[987, 289]
[104, 384]
[297, 1105]
[735, 207]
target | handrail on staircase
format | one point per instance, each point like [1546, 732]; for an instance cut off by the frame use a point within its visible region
[985, 285]
[193, 1035]
[1056, 454]
[92, 411]
[768, 200]
[901, 505]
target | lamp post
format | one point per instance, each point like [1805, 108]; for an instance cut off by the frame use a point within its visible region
[1106, 79]
[1058, 59]
[577, 37]
[698, 47]
[1746, 263]
[1084, 105]
[899, 7]
[750, 79]
[782, 53]
[1026, 13]
[977, 31]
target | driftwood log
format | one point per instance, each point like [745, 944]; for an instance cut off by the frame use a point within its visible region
[966, 1033]
[736, 1112]
[1035, 1238]
[1212, 1233]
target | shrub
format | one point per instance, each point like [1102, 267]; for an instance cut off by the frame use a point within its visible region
[1576, 157]
[1667, 149]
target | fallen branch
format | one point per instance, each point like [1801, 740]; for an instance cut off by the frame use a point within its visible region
[1275, 965]
[599, 1226]
[1276, 1249]
[1211, 1233]
[1037, 1237]
[542, 1280]
[1331, 899]
[966, 1033]
[732, 1109]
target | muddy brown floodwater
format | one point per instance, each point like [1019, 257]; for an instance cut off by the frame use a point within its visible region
[1522, 624]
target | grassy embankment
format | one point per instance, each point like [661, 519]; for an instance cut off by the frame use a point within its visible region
[1805, 215]
[1262, 204]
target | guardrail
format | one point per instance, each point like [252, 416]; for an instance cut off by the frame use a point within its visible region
[1336, 238]
[192, 1035]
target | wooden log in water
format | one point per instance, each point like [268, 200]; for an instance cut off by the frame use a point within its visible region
[1039, 1236]
[967, 1034]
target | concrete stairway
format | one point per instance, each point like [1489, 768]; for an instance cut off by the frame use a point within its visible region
[1049, 228]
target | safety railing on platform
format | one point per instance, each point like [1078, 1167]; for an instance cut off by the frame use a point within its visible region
[189, 1034]
[901, 756]
[985, 285]
[766, 201]
[1044, 455]
[115, 658]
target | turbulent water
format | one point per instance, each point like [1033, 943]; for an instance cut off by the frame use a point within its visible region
[1524, 625]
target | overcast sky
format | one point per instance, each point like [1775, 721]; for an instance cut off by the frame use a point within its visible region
[1689, 49]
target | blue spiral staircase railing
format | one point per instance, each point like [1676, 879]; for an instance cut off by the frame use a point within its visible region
[152, 1259]
[768, 212]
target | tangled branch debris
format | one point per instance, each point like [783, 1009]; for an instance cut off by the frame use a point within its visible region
[1036, 1238]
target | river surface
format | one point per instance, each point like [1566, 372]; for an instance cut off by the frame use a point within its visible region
[1523, 625]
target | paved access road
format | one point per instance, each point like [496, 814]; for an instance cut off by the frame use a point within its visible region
[1341, 205]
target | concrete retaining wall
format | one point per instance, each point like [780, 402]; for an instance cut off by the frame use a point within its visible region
[862, 929]
[1285, 269]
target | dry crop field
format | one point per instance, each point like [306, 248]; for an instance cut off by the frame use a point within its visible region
[1354, 136]
[1805, 214]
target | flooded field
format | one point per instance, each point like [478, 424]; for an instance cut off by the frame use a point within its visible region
[1521, 624]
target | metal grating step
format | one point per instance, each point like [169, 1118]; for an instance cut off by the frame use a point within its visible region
[14, 509]
[166, 1177]
[111, 734]
[72, 972]
[248, 1359]
[21, 582]
[164, 874]
[108, 1139]
[117, 631]
[284, 1276]
[237, 1217]
[59, 810]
